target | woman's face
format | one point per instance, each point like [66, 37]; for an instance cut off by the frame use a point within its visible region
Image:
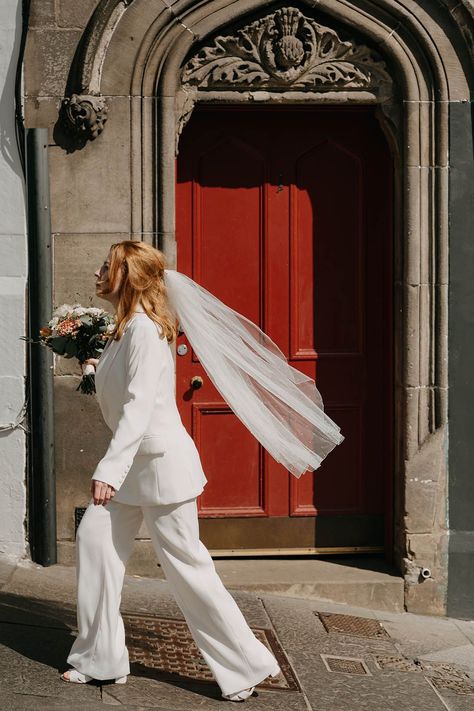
[102, 275]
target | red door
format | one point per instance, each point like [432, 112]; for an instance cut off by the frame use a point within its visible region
[285, 215]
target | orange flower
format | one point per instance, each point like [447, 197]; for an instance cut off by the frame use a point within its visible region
[67, 327]
[46, 331]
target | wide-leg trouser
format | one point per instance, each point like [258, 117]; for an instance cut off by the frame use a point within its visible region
[105, 537]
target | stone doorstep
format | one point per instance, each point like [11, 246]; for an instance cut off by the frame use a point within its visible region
[365, 583]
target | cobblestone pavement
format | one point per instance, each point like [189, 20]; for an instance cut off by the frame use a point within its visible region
[333, 657]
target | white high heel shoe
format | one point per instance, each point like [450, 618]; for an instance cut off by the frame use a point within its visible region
[245, 693]
[239, 695]
[76, 677]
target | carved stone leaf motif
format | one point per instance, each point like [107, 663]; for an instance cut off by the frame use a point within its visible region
[284, 49]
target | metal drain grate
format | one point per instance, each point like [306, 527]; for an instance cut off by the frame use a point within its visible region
[439, 674]
[459, 686]
[79, 512]
[348, 624]
[394, 663]
[164, 646]
[347, 665]
[445, 676]
[441, 669]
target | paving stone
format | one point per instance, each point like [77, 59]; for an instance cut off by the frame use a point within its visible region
[331, 691]
[177, 696]
[298, 627]
[31, 659]
[466, 627]
[37, 616]
[26, 702]
[420, 634]
[155, 597]
[16, 609]
[55, 583]
[460, 656]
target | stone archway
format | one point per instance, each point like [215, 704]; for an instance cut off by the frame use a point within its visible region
[415, 117]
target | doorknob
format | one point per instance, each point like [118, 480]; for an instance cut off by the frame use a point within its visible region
[196, 382]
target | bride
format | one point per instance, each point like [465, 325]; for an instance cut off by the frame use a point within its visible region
[152, 471]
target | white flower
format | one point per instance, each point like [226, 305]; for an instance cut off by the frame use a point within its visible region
[110, 328]
[54, 322]
[78, 311]
[62, 311]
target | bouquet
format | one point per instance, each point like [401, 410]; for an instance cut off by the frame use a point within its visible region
[78, 332]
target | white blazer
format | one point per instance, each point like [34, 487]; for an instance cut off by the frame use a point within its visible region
[151, 458]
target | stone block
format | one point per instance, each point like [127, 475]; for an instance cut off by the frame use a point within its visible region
[418, 115]
[77, 256]
[428, 597]
[120, 60]
[81, 440]
[409, 423]
[48, 58]
[412, 353]
[412, 226]
[427, 178]
[425, 486]
[430, 550]
[90, 188]
[144, 562]
[421, 503]
[42, 14]
[75, 14]
[43, 112]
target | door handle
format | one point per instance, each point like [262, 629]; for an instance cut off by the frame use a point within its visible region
[196, 382]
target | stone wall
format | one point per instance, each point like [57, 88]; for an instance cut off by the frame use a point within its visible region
[90, 209]
[105, 191]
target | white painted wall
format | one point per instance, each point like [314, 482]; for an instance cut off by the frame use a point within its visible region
[13, 261]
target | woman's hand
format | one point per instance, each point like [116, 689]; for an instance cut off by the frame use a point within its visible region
[90, 361]
[101, 492]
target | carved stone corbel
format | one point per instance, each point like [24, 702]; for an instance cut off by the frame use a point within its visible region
[185, 101]
[85, 115]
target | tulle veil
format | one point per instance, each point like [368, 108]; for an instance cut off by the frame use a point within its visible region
[281, 406]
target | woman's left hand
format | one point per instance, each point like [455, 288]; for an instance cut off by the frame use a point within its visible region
[101, 492]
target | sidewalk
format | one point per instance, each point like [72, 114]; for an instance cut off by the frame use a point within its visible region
[404, 662]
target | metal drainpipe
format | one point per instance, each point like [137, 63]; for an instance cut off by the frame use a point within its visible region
[41, 475]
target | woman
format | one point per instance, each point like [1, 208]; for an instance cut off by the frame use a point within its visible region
[151, 471]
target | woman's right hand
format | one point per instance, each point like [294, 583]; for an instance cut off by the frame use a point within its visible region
[90, 361]
[101, 492]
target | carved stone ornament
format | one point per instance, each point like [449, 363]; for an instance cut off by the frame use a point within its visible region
[86, 115]
[285, 50]
[185, 103]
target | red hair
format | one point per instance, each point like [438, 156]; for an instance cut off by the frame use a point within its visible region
[141, 270]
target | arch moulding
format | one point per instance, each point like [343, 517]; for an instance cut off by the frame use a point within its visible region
[383, 55]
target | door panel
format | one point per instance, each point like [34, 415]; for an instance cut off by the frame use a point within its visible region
[285, 215]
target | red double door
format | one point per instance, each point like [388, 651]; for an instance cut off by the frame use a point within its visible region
[286, 215]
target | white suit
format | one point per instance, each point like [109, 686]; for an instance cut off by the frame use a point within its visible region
[155, 467]
[135, 390]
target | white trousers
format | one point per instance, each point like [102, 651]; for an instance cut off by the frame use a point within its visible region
[105, 538]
